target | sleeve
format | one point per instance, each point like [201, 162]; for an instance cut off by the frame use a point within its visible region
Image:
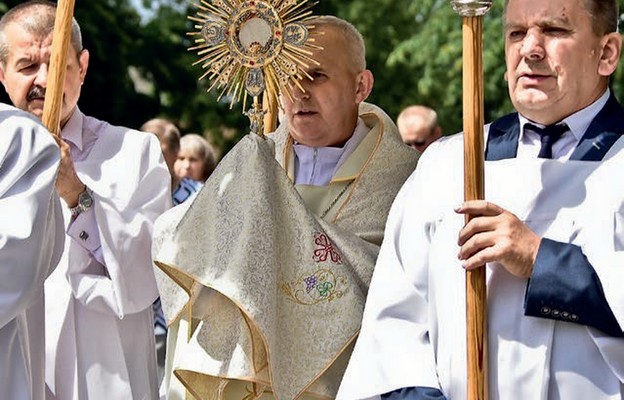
[414, 393]
[395, 326]
[124, 211]
[84, 230]
[31, 236]
[564, 286]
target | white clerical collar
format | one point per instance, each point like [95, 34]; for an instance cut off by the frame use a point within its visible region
[317, 165]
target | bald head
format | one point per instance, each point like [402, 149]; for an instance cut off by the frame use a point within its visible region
[419, 127]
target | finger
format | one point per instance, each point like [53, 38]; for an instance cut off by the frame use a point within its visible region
[476, 226]
[476, 243]
[479, 207]
[479, 259]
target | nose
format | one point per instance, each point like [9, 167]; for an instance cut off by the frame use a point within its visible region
[301, 91]
[532, 46]
[41, 78]
[299, 94]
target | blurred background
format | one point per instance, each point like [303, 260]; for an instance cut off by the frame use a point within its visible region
[140, 67]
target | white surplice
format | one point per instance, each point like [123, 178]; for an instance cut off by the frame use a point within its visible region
[100, 336]
[31, 242]
[414, 330]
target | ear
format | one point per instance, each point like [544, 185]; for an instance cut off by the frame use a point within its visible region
[2, 77]
[506, 76]
[610, 49]
[83, 60]
[364, 85]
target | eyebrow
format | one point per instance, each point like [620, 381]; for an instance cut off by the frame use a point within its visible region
[23, 60]
[554, 21]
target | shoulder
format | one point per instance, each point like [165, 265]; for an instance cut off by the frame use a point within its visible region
[115, 133]
[446, 146]
[367, 111]
[14, 117]
[20, 126]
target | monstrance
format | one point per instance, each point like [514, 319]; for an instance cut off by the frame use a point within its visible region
[255, 48]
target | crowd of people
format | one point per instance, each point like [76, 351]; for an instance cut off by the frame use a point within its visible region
[327, 259]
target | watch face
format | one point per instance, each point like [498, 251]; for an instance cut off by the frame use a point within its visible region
[85, 200]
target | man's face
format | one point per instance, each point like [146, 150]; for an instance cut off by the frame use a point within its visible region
[170, 156]
[326, 113]
[416, 133]
[553, 58]
[25, 75]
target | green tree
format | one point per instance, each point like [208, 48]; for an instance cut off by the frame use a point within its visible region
[434, 53]
[162, 59]
[140, 66]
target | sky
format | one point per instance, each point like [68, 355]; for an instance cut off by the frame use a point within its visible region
[145, 13]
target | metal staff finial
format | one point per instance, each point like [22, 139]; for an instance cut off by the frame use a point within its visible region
[476, 300]
[471, 8]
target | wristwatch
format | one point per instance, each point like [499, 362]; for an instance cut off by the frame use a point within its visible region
[85, 202]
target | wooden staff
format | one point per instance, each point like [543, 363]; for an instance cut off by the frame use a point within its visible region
[476, 304]
[270, 116]
[58, 63]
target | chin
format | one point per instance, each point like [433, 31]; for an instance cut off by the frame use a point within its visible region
[532, 101]
[37, 112]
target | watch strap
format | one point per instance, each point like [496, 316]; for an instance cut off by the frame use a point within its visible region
[80, 207]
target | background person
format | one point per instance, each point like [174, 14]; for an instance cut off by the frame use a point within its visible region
[419, 127]
[169, 136]
[196, 158]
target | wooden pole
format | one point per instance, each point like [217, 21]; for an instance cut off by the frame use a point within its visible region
[476, 322]
[58, 63]
[270, 117]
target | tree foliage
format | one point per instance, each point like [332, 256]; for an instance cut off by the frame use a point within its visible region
[140, 66]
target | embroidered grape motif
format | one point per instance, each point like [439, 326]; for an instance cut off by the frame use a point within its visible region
[310, 282]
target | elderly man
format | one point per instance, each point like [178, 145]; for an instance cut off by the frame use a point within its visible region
[276, 256]
[550, 233]
[31, 243]
[418, 126]
[99, 329]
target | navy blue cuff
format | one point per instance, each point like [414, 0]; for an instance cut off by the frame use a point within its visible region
[414, 393]
[564, 286]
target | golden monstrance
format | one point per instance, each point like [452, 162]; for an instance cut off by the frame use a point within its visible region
[254, 49]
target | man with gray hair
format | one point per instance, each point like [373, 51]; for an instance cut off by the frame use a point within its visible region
[99, 329]
[418, 126]
[549, 234]
[285, 235]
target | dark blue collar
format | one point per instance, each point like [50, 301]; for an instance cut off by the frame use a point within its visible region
[603, 132]
[502, 141]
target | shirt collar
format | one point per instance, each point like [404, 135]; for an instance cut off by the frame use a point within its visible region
[317, 165]
[577, 122]
[358, 134]
[72, 131]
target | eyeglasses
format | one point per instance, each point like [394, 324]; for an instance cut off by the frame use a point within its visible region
[415, 143]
